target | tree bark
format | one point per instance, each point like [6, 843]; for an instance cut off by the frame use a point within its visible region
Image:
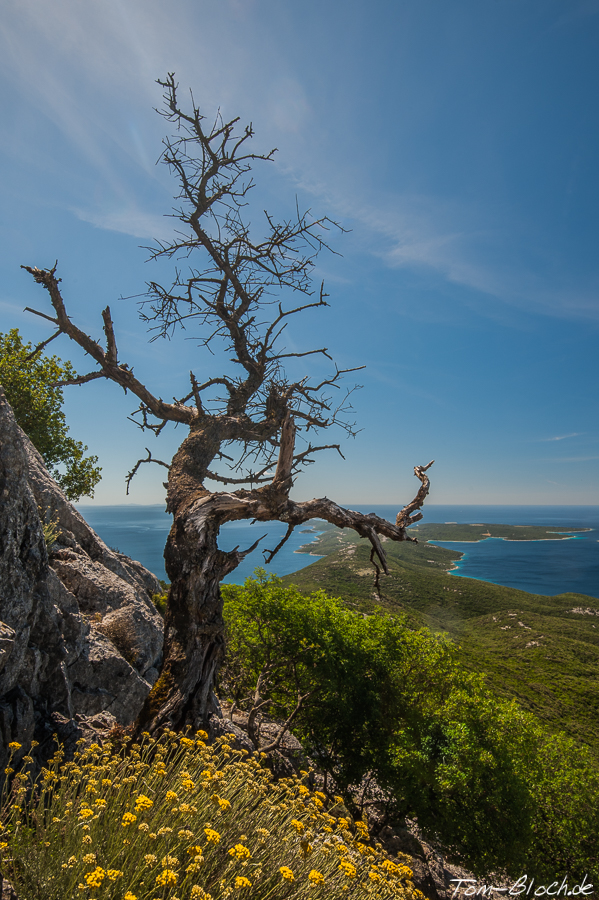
[194, 627]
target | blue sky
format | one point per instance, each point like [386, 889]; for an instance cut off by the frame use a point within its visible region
[458, 141]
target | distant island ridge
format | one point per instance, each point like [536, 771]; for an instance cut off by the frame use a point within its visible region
[540, 549]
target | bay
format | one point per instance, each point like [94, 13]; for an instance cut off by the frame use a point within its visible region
[540, 567]
[141, 533]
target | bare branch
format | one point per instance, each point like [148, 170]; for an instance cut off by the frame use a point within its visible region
[81, 379]
[274, 745]
[43, 343]
[121, 374]
[41, 314]
[111, 352]
[150, 459]
[283, 480]
[405, 517]
[269, 555]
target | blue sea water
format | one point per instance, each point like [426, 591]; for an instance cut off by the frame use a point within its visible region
[540, 567]
[141, 533]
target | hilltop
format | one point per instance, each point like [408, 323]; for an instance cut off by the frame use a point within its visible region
[542, 651]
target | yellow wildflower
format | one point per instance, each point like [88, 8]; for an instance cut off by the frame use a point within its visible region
[195, 850]
[113, 874]
[14, 746]
[85, 813]
[392, 869]
[303, 790]
[171, 796]
[316, 877]
[185, 833]
[150, 859]
[222, 803]
[348, 869]
[143, 802]
[128, 819]
[197, 893]
[374, 876]
[299, 826]
[167, 861]
[186, 742]
[195, 865]
[94, 879]
[287, 873]
[166, 877]
[188, 784]
[202, 735]
[164, 830]
[242, 882]
[99, 802]
[129, 896]
[213, 837]
[88, 859]
[240, 852]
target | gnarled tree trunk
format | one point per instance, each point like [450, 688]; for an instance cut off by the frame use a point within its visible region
[194, 627]
[228, 296]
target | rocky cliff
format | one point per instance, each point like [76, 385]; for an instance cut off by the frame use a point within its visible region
[79, 635]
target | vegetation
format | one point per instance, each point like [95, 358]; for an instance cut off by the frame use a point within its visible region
[541, 651]
[252, 425]
[30, 381]
[176, 818]
[50, 527]
[160, 600]
[371, 697]
[450, 531]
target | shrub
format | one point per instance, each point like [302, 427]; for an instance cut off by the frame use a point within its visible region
[31, 382]
[176, 819]
[481, 776]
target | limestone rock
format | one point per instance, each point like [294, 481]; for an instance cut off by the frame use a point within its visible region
[107, 585]
[103, 681]
[78, 629]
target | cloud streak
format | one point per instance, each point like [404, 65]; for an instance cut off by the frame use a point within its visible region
[89, 69]
[574, 459]
[563, 437]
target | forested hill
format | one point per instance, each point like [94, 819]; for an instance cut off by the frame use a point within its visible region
[542, 651]
[452, 531]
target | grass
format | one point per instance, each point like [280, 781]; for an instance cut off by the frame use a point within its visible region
[177, 819]
[531, 648]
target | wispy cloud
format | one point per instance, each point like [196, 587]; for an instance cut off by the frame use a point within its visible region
[130, 221]
[89, 69]
[574, 459]
[563, 437]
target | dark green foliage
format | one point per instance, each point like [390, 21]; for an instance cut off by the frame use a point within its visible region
[541, 651]
[480, 774]
[29, 384]
[454, 532]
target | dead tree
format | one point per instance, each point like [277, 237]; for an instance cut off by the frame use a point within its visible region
[240, 293]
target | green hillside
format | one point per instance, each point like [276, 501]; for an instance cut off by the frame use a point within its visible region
[543, 651]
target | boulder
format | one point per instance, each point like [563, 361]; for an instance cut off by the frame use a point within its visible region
[78, 629]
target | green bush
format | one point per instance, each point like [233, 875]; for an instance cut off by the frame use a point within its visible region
[30, 382]
[480, 775]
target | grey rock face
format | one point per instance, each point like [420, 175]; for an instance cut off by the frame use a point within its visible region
[78, 629]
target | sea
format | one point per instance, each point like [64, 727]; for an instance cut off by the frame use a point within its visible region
[539, 567]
